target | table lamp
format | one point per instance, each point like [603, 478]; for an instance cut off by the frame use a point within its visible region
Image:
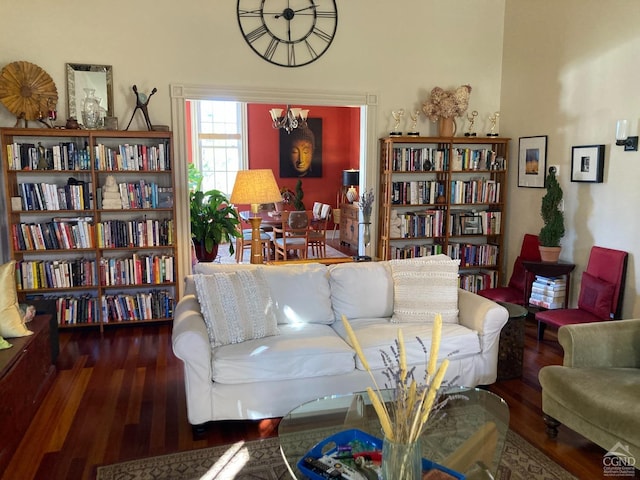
[351, 178]
[255, 187]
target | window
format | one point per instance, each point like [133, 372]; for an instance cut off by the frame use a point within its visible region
[218, 142]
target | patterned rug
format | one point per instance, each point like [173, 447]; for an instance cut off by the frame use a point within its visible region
[261, 460]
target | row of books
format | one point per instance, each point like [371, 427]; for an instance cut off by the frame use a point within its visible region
[141, 194]
[133, 157]
[474, 282]
[477, 190]
[415, 251]
[473, 254]
[37, 274]
[158, 304]
[137, 270]
[465, 159]
[86, 309]
[419, 159]
[57, 234]
[417, 192]
[62, 156]
[548, 292]
[425, 223]
[75, 195]
[135, 233]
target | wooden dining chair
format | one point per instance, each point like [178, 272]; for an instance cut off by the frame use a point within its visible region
[243, 242]
[293, 234]
[318, 232]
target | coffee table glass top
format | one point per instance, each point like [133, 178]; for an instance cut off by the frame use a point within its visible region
[468, 438]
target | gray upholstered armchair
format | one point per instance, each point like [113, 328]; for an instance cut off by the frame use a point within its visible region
[597, 390]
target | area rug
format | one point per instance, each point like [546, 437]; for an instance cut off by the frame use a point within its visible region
[261, 460]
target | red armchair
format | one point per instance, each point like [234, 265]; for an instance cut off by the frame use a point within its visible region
[514, 291]
[601, 292]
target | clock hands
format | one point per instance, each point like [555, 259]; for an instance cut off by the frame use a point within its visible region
[289, 13]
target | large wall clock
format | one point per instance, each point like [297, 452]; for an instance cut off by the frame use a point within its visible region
[290, 33]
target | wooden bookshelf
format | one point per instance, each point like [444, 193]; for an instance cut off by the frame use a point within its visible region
[445, 195]
[102, 266]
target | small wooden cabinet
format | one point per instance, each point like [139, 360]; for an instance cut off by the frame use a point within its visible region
[26, 374]
[349, 225]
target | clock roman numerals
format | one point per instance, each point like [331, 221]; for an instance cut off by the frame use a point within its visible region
[256, 34]
[317, 31]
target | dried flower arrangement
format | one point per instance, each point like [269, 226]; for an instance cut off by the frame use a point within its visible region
[404, 419]
[447, 103]
[366, 204]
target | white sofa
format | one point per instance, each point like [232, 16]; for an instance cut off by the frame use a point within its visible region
[310, 356]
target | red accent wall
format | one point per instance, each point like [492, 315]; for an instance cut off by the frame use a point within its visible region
[340, 148]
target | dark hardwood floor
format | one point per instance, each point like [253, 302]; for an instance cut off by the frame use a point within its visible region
[120, 396]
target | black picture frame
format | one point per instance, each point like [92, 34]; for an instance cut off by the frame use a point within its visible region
[532, 161]
[587, 163]
[287, 169]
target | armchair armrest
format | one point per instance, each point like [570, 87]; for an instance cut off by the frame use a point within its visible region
[613, 343]
[480, 314]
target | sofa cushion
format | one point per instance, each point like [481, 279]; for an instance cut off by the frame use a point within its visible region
[376, 335]
[299, 351]
[11, 320]
[361, 290]
[596, 296]
[236, 306]
[423, 287]
[300, 293]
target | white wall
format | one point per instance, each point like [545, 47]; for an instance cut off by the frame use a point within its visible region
[570, 70]
[396, 50]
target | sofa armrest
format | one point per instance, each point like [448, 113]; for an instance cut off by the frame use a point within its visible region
[480, 314]
[613, 343]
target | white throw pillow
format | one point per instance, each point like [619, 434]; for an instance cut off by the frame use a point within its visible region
[300, 293]
[423, 287]
[236, 306]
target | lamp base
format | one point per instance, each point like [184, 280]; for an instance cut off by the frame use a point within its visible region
[352, 194]
[256, 245]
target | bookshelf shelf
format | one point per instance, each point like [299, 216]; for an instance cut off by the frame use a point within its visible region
[62, 237]
[445, 195]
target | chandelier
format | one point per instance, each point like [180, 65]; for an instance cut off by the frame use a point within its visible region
[290, 120]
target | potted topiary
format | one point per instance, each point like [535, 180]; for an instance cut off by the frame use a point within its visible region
[213, 221]
[553, 218]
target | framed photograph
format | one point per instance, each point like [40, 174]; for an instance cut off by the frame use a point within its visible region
[532, 161]
[81, 76]
[301, 150]
[470, 225]
[587, 163]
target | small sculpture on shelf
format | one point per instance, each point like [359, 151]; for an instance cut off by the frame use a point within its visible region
[142, 103]
[472, 120]
[494, 120]
[397, 117]
[413, 131]
[111, 195]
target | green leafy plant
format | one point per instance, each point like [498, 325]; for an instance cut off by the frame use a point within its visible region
[291, 198]
[213, 219]
[552, 216]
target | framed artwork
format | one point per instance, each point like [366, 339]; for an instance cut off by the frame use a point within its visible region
[587, 163]
[470, 224]
[301, 150]
[532, 161]
[81, 77]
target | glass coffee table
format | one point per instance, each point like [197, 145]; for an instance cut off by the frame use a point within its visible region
[468, 438]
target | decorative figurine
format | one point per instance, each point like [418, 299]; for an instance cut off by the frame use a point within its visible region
[111, 195]
[494, 120]
[142, 102]
[397, 116]
[413, 131]
[472, 119]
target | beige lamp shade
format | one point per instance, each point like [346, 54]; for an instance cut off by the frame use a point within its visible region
[255, 187]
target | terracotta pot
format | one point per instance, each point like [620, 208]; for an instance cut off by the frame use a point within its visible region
[446, 127]
[202, 254]
[550, 254]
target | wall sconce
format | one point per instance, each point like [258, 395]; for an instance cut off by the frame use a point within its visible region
[351, 178]
[630, 143]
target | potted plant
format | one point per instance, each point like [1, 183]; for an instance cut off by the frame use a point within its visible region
[553, 218]
[213, 221]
